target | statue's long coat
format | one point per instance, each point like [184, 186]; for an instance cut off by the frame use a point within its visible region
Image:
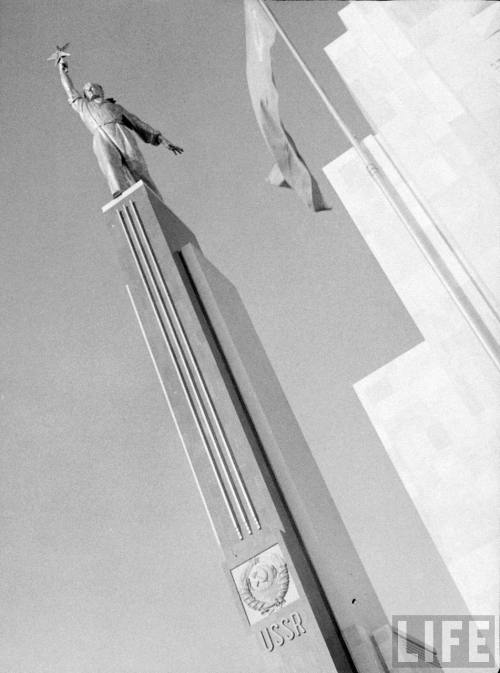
[114, 144]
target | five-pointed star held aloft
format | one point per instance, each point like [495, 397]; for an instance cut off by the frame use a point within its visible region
[59, 53]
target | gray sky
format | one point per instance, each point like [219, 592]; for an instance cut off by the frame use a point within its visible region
[108, 563]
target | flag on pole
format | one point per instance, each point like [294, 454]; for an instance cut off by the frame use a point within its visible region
[290, 169]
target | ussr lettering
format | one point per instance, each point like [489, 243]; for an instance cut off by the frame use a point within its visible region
[278, 633]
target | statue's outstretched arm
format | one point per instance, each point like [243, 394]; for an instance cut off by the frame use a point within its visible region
[148, 133]
[68, 85]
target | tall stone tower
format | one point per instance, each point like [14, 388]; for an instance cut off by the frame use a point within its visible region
[297, 581]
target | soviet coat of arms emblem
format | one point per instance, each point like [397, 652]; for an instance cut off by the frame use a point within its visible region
[264, 584]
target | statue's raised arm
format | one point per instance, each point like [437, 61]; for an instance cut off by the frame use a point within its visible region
[114, 132]
[68, 85]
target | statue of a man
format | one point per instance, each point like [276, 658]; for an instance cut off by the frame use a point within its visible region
[114, 144]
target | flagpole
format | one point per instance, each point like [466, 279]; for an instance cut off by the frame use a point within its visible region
[476, 323]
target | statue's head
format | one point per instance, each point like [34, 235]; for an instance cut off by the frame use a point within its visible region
[92, 90]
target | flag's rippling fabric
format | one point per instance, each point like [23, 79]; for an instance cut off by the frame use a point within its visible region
[290, 169]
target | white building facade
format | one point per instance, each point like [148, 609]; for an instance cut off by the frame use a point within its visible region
[427, 76]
